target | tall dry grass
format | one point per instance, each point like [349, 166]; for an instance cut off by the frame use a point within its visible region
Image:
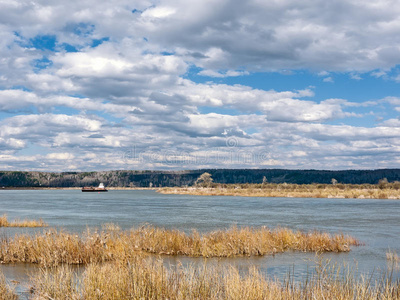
[371, 191]
[24, 223]
[6, 292]
[392, 256]
[54, 247]
[149, 279]
[238, 241]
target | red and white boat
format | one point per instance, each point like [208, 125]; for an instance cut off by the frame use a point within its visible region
[100, 188]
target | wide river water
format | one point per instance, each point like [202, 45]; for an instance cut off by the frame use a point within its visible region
[375, 222]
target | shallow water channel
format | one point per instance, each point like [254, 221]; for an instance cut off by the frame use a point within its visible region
[375, 222]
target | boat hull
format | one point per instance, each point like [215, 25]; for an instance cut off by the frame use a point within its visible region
[94, 190]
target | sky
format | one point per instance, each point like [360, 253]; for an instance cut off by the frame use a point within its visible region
[172, 85]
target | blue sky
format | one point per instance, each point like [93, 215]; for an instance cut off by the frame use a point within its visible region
[202, 84]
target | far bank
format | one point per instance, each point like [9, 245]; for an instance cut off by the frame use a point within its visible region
[361, 191]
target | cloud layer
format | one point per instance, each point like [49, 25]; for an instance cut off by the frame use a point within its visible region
[146, 84]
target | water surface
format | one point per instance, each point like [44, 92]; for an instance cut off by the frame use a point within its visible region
[375, 222]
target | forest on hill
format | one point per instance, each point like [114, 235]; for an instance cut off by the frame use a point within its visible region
[135, 178]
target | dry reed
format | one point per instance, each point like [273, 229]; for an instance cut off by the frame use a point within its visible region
[392, 257]
[362, 191]
[54, 247]
[149, 279]
[17, 223]
[6, 292]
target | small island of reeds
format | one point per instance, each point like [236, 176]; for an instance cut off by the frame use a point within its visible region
[18, 223]
[53, 247]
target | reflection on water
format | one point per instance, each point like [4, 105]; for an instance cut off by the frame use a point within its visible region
[18, 275]
[374, 222]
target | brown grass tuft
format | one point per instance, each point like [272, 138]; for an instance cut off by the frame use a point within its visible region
[17, 223]
[54, 247]
[392, 257]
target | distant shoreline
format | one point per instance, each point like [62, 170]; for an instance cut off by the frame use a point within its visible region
[362, 191]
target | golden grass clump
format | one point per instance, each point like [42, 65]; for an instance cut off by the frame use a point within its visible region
[392, 257]
[6, 292]
[54, 247]
[362, 191]
[238, 242]
[17, 223]
[150, 279]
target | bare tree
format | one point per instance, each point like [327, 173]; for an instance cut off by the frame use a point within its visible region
[204, 180]
[383, 183]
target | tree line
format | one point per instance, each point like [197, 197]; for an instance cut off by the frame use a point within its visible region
[135, 178]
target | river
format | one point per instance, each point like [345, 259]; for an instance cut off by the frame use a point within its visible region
[375, 222]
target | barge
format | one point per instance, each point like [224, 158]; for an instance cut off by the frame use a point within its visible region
[100, 188]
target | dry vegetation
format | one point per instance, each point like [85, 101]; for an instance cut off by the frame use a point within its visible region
[392, 257]
[6, 293]
[54, 247]
[149, 279]
[17, 223]
[373, 191]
